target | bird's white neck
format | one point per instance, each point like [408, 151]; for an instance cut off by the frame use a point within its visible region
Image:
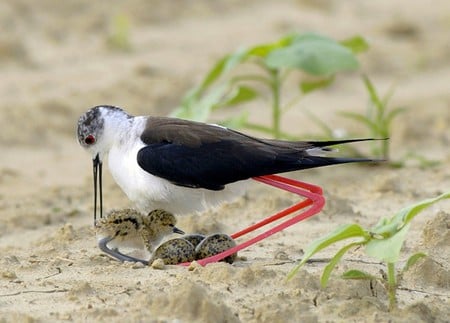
[117, 130]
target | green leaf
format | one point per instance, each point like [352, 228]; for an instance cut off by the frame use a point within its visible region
[374, 98]
[314, 54]
[362, 119]
[310, 86]
[222, 66]
[394, 231]
[408, 213]
[392, 114]
[240, 94]
[387, 97]
[391, 226]
[189, 101]
[357, 274]
[198, 107]
[341, 233]
[229, 61]
[387, 249]
[333, 262]
[120, 36]
[263, 50]
[356, 44]
[215, 72]
[412, 260]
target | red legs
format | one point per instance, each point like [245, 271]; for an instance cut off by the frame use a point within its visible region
[313, 199]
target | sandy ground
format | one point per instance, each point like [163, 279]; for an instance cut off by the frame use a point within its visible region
[55, 63]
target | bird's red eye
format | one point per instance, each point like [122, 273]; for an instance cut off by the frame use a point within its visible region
[89, 140]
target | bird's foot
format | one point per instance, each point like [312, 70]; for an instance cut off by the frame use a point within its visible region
[115, 253]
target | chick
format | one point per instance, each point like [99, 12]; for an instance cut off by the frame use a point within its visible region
[131, 229]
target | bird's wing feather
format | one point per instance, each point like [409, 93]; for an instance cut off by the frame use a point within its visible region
[210, 165]
[208, 156]
[200, 155]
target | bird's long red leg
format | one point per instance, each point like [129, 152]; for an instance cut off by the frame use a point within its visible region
[278, 181]
[314, 200]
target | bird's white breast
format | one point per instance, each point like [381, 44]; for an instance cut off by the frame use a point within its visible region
[149, 192]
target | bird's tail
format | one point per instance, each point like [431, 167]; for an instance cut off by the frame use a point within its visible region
[338, 142]
[319, 161]
[312, 160]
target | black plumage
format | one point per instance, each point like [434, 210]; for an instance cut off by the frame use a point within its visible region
[199, 155]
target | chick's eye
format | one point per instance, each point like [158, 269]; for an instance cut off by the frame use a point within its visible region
[89, 140]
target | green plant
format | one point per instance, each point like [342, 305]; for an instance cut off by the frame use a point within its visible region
[383, 242]
[378, 118]
[119, 37]
[268, 67]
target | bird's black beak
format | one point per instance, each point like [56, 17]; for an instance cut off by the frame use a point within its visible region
[176, 230]
[97, 168]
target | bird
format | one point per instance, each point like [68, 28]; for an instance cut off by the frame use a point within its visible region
[185, 166]
[131, 229]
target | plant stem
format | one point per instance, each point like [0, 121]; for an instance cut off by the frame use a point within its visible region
[385, 149]
[276, 109]
[392, 285]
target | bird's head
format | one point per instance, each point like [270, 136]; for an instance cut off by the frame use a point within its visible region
[162, 222]
[92, 135]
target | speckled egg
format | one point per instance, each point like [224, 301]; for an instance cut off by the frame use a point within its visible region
[194, 238]
[174, 251]
[214, 244]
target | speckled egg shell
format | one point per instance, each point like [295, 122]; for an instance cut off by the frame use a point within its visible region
[194, 238]
[174, 251]
[214, 244]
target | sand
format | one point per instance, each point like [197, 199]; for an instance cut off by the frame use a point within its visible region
[56, 61]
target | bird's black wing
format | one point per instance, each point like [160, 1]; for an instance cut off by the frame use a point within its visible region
[206, 156]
